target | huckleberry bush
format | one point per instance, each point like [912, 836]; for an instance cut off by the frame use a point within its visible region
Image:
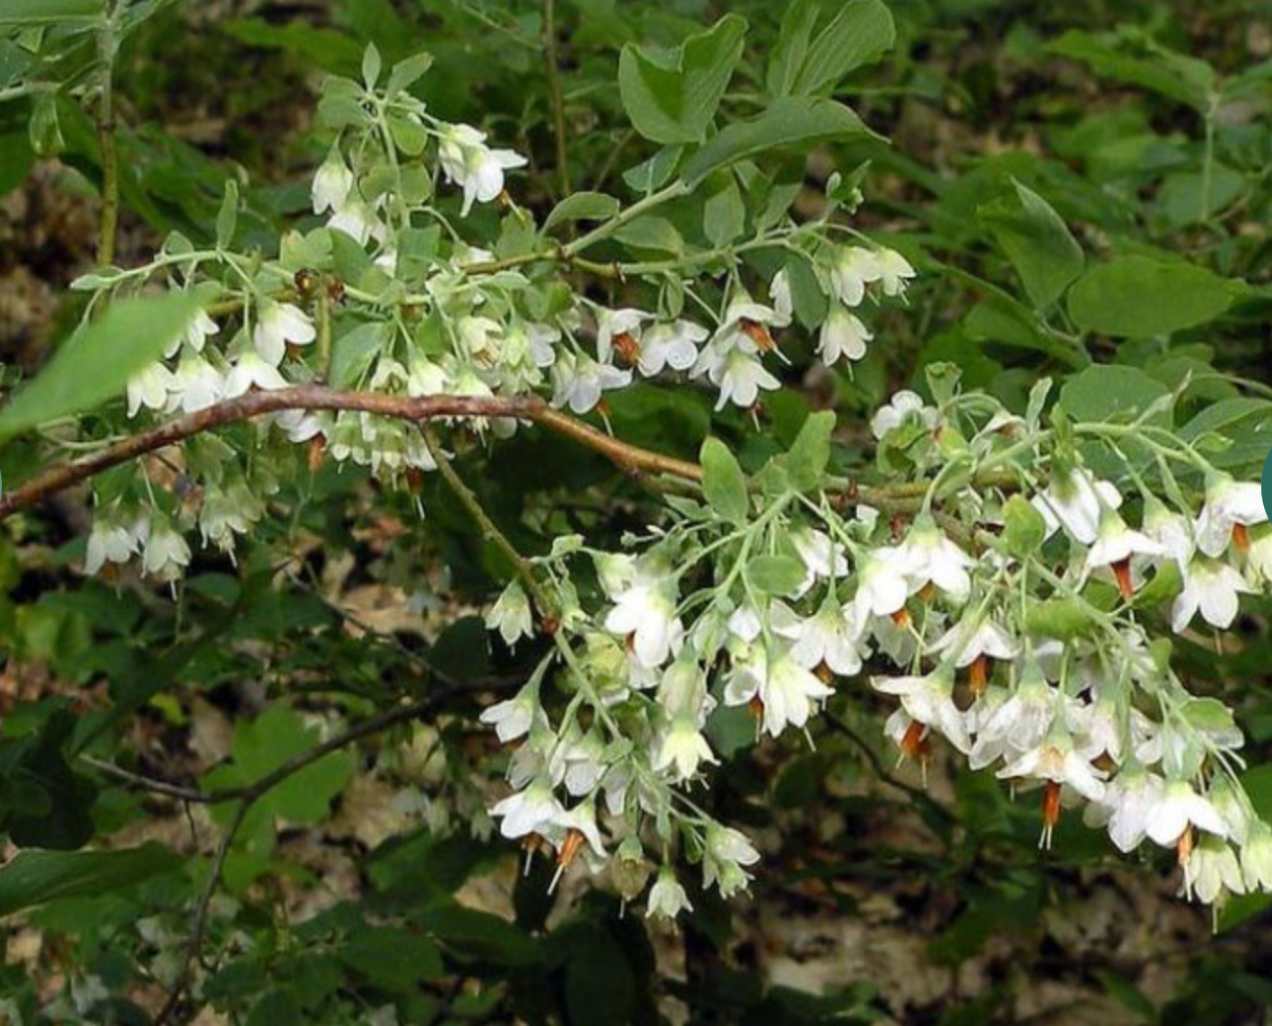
[1010, 583]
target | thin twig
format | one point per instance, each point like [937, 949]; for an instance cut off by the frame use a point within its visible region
[108, 227]
[489, 529]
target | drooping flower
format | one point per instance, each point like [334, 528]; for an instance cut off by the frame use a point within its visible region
[646, 611]
[671, 344]
[1179, 807]
[895, 272]
[856, 268]
[529, 811]
[881, 584]
[149, 387]
[1211, 871]
[114, 540]
[929, 700]
[1124, 809]
[727, 853]
[166, 553]
[1019, 723]
[1076, 501]
[251, 371]
[332, 184]
[195, 386]
[196, 334]
[619, 331]
[740, 377]
[1122, 551]
[511, 615]
[581, 381]
[277, 326]
[1171, 531]
[827, 637]
[928, 556]
[1231, 508]
[1213, 588]
[682, 745]
[667, 898]
[906, 406]
[472, 165]
[780, 294]
[842, 334]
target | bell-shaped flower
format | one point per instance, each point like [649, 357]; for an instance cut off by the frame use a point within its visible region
[332, 184]
[279, 325]
[581, 381]
[530, 811]
[1172, 532]
[1076, 501]
[682, 745]
[780, 294]
[974, 637]
[1124, 809]
[166, 553]
[1179, 807]
[620, 331]
[1213, 588]
[928, 556]
[472, 165]
[842, 334]
[1057, 761]
[667, 898]
[1256, 857]
[905, 407]
[828, 637]
[358, 221]
[114, 540]
[511, 615]
[855, 268]
[740, 376]
[1212, 871]
[671, 344]
[251, 371]
[196, 334]
[1121, 551]
[196, 385]
[726, 854]
[646, 611]
[790, 693]
[929, 700]
[895, 272]
[1020, 723]
[513, 717]
[149, 387]
[1231, 508]
[881, 585]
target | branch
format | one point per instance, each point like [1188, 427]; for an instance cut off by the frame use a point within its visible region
[317, 397]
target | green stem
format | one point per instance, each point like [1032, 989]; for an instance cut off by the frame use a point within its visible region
[554, 92]
[108, 229]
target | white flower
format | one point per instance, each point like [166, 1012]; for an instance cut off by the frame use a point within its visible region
[740, 378]
[424, 377]
[1259, 560]
[905, 406]
[1057, 761]
[927, 555]
[469, 163]
[682, 745]
[930, 700]
[196, 334]
[852, 272]
[250, 371]
[528, 812]
[196, 385]
[1229, 504]
[842, 334]
[582, 762]
[1256, 857]
[510, 615]
[667, 898]
[895, 272]
[789, 693]
[1020, 723]
[112, 541]
[1215, 589]
[1128, 799]
[1076, 502]
[821, 557]
[829, 636]
[332, 184]
[727, 851]
[166, 553]
[277, 325]
[228, 512]
[149, 388]
[1211, 870]
[881, 585]
[974, 637]
[1122, 550]
[673, 345]
[580, 383]
[358, 221]
[621, 330]
[647, 610]
[1177, 808]
[1172, 532]
[780, 294]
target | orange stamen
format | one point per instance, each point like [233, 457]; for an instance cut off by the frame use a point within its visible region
[627, 348]
[1241, 538]
[569, 848]
[1051, 805]
[756, 705]
[915, 744]
[759, 334]
[1184, 846]
[317, 449]
[901, 618]
[978, 674]
[824, 673]
[1122, 571]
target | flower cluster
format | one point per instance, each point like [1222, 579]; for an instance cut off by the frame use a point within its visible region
[943, 594]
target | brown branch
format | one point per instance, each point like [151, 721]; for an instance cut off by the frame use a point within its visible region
[317, 397]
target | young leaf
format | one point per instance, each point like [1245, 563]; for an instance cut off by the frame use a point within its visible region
[672, 95]
[787, 121]
[28, 13]
[582, 206]
[775, 575]
[724, 214]
[807, 459]
[372, 64]
[787, 58]
[860, 34]
[723, 482]
[227, 218]
[95, 363]
[1036, 242]
[406, 73]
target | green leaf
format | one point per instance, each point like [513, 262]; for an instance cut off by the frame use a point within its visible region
[94, 365]
[1148, 64]
[1037, 243]
[582, 206]
[227, 217]
[1064, 619]
[1137, 297]
[651, 233]
[1024, 528]
[352, 353]
[860, 34]
[672, 95]
[787, 121]
[1104, 391]
[392, 959]
[807, 459]
[723, 483]
[723, 214]
[27, 13]
[37, 877]
[372, 64]
[786, 59]
[655, 172]
[775, 574]
[407, 72]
